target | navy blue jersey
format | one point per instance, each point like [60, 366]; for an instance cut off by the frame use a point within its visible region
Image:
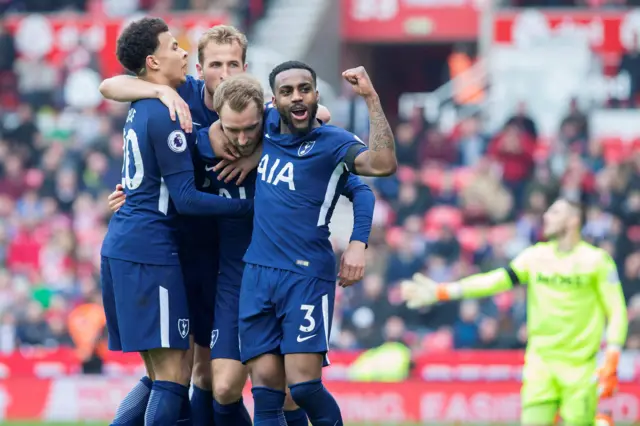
[234, 233]
[144, 229]
[300, 178]
[193, 91]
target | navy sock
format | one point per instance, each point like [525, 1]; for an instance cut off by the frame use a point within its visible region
[131, 409]
[234, 414]
[267, 409]
[165, 403]
[201, 410]
[317, 402]
[296, 418]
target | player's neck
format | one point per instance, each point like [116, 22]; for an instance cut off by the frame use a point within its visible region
[567, 243]
[208, 100]
[286, 130]
[157, 78]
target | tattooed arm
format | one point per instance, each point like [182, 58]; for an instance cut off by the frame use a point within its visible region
[380, 158]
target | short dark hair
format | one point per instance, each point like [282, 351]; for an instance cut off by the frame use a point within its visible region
[290, 65]
[139, 40]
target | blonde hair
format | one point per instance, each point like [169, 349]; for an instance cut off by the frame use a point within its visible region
[238, 92]
[222, 34]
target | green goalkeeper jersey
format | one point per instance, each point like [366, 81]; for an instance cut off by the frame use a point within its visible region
[570, 297]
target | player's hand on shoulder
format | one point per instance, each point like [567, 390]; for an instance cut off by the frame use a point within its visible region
[239, 168]
[177, 107]
[221, 144]
[117, 198]
[360, 82]
[418, 292]
[352, 264]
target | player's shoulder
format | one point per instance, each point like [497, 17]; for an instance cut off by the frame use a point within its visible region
[191, 86]
[153, 106]
[337, 133]
[593, 254]
[538, 252]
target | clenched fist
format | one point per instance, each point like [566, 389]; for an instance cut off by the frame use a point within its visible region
[360, 81]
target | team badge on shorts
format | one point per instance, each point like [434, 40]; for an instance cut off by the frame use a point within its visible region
[183, 327]
[214, 338]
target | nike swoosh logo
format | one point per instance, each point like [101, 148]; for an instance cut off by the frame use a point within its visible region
[302, 339]
[209, 168]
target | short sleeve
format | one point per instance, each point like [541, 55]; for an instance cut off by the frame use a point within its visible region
[170, 144]
[347, 151]
[191, 89]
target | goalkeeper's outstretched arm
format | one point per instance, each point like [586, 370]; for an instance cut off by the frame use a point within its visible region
[422, 291]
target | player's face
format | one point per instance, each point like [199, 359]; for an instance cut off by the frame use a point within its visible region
[171, 60]
[296, 99]
[556, 219]
[244, 129]
[219, 62]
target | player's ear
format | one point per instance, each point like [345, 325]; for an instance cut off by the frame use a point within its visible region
[245, 66]
[273, 101]
[200, 71]
[152, 63]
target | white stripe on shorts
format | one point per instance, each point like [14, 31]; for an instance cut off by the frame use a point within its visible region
[164, 318]
[325, 323]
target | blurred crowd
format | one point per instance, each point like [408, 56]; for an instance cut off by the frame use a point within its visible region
[469, 202]
[114, 7]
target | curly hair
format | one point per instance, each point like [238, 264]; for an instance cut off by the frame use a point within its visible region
[139, 40]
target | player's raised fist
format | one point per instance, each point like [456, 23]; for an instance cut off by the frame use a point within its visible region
[359, 80]
[419, 291]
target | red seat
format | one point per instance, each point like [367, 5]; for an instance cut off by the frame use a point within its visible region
[469, 238]
[613, 150]
[441, 216]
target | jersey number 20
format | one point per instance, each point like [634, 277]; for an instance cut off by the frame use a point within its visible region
[132, 152]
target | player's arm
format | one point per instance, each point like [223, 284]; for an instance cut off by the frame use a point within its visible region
[612, 299]
[176, 167]
[364, 202]
[323, 114]
[126, 88]
[380, 159]
[352, 263]
[422, 291]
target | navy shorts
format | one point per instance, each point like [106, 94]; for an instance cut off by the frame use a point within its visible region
[145, 305]
[284, 312]
[224, 337]
[200, 270]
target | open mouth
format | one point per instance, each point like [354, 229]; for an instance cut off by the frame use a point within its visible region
[299, 113]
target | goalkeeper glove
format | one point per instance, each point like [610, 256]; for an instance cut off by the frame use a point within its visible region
[608, 373]
[422, 291]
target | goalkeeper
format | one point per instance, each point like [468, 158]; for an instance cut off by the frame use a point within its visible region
[572, 288]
